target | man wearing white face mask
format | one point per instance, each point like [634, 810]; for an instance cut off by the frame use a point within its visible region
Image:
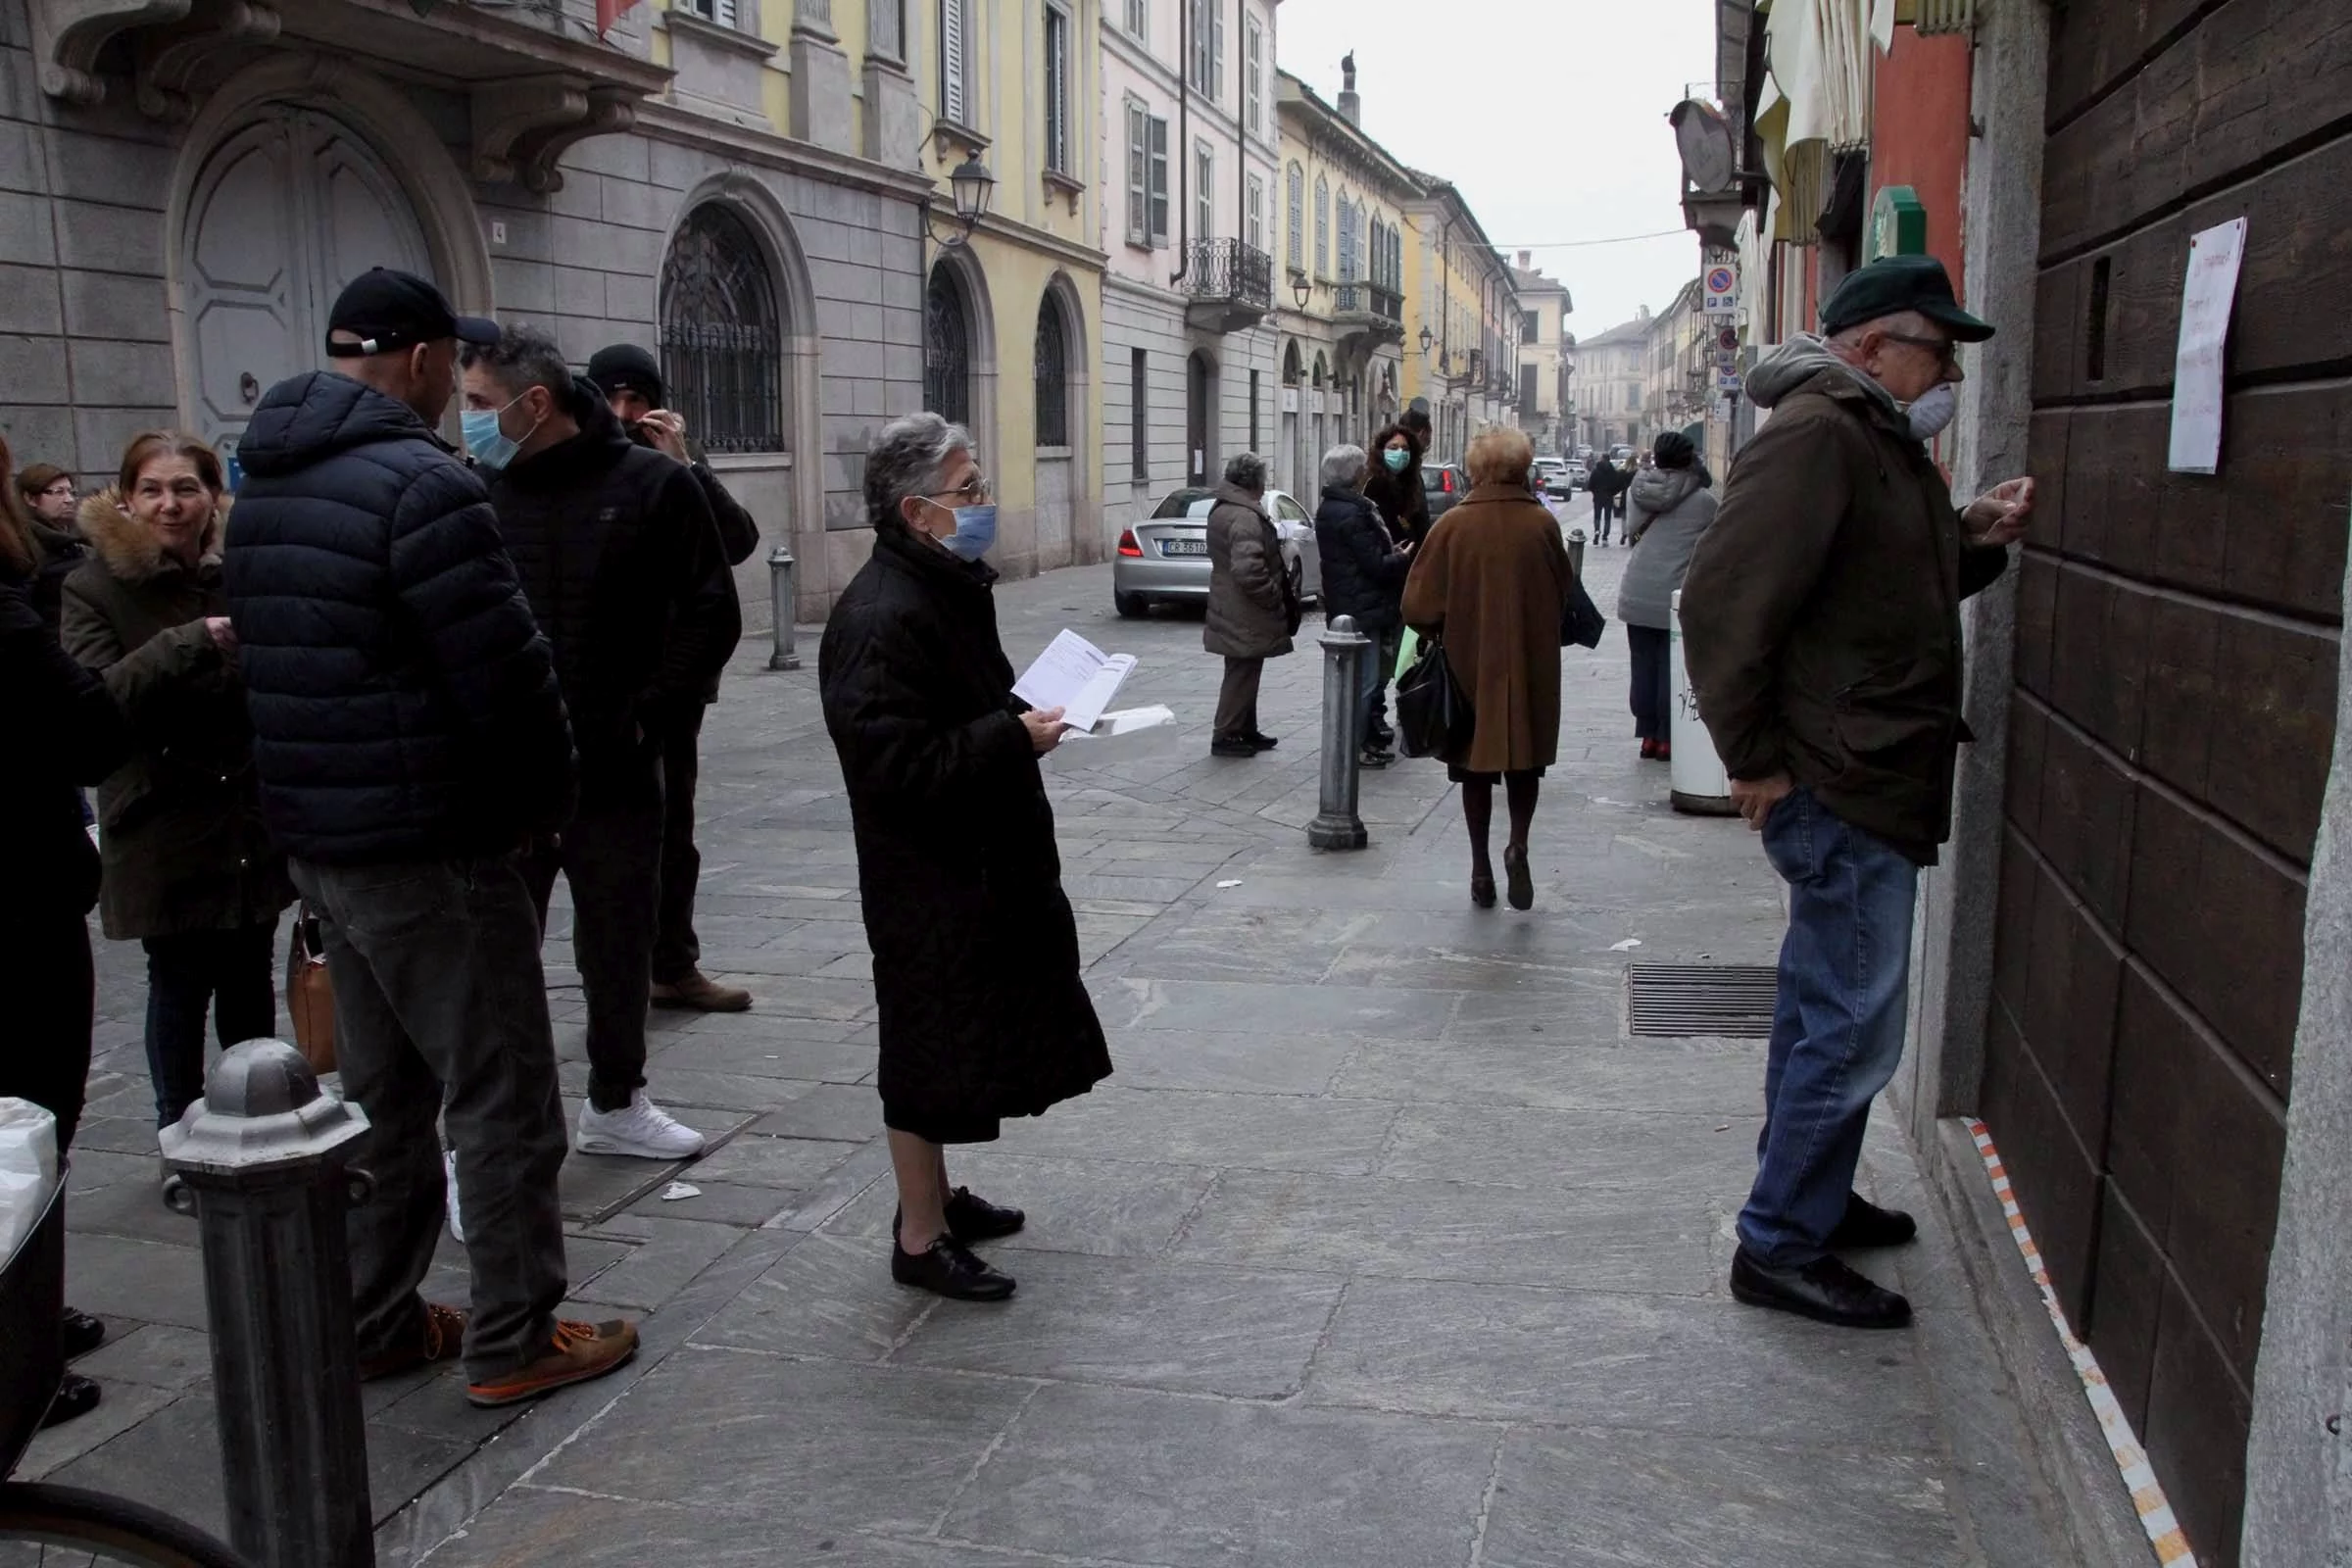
[620, 559]
[1821, 621]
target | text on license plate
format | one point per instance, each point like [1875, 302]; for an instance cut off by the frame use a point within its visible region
[1184, 547]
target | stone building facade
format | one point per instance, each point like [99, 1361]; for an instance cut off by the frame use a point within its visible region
[743, 185]
[1547, 356]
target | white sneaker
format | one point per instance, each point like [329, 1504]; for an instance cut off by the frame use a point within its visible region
[449, 1171]
[640, 1129]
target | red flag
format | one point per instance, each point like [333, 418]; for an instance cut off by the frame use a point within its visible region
[607, 13]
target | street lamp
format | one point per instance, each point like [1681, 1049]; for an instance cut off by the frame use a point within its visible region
[1427, 337]
[972, 185]
[1300, 288]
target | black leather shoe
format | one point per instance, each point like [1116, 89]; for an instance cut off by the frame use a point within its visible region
[972, 1220]
[83, 1332]
[948, 1267]
[77, 1395]
[1520, 883]
[1264, 742]
[1231, 747]
[1866, 1225]
[1825, 1289]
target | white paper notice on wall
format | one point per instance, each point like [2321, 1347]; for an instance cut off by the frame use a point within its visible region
[2206, 301]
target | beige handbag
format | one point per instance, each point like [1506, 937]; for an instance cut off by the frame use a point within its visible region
[309, 995]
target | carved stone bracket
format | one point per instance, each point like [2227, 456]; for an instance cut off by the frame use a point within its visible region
[175, 62]
[68, 35]
[520, 127]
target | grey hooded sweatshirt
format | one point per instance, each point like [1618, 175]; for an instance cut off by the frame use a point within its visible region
[1670, 509]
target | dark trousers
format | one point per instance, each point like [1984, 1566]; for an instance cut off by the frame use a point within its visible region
[1379, 666]
[45, 1051]
[1602, 510]
[189, 973]
[611, 854]
[1653, 682]
[441, 1012]
[676, 949]
[1237, 699]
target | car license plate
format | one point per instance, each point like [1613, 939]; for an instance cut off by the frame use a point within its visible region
[1184, 547]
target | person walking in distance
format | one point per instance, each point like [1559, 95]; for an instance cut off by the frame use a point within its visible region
[1602, 483]
[1250, 604]
[622, 562]
[1672, 508]
[190, 870]
[1822, 625]
[984, 1011]
[631, 382]
[410, 739]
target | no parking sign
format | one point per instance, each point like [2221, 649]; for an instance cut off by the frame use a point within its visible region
[1721, 289]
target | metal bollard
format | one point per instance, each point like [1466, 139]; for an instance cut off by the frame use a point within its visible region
[1576, 552]
[780, 566]
[265, 1154]
[1336, 826]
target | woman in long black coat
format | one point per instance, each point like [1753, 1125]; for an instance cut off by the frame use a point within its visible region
[984, 1014]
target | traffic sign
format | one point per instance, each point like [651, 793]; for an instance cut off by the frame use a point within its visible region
[1728, 340]
[1727, 380]
[1720, 288]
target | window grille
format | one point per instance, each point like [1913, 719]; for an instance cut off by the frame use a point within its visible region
[722, 341]
[1052, 376]
[947, 351]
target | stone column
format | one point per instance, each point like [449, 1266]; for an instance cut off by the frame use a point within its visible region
[823, 113]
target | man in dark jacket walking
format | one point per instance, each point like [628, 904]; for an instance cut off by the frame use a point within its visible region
[409, 739]
[1364, 576]
[1822, 625]
[622, 562]
[1604, 482]
[631, 382]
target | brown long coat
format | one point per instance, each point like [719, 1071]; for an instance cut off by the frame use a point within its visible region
[1491, 581]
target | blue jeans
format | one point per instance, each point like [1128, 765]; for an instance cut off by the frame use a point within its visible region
[1837, 1028]
[1373, 672]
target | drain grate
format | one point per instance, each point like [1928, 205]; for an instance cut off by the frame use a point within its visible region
[1700, 999]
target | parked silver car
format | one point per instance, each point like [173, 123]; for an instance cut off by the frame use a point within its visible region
[1164, 559]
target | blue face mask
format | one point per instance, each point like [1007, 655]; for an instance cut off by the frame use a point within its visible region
[975, 532]
[492, 447]
[1397, 457]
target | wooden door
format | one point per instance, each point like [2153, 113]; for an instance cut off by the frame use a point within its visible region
[2175, 695]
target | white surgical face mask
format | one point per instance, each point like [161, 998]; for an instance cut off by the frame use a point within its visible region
[1934, 409]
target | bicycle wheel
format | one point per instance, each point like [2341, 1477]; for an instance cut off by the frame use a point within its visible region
[65, 1527]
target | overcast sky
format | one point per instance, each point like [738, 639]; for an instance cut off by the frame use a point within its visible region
[1549, 115]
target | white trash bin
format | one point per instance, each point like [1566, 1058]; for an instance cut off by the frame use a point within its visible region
[1699, 784]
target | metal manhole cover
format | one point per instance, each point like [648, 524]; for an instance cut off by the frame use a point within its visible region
[1700, 999]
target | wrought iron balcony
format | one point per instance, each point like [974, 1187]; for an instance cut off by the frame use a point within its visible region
[1229, 285]
[1369, 311]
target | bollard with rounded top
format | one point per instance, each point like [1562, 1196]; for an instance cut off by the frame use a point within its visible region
[266, 1154]
[1576, 552]
[780, 572]
[1336, 826]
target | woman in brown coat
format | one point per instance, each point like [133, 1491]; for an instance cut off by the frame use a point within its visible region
[190, 870]
[1491, 584]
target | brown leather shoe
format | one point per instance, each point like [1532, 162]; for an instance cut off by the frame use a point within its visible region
[440, 1340]
[578, 1352]
[702, 994]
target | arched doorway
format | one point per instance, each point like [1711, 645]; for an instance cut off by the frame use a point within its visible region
[1322, 416]
[948, 348]
[286, 211]
[1200, 432]
[1299, 478]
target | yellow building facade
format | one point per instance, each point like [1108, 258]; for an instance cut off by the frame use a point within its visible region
[1464, 320]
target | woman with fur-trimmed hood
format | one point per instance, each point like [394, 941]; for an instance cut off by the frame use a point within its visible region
[189, 870]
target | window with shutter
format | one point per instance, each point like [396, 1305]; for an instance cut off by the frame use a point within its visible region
[1216, 51]
[1253, 67]
[1139, 18]
[1204, 191]
[1256, 235]
[1322, 226]
[954, 77]
[1159, 158]
[1294, 219]
[722, 11]
[1139, 174]
[1057, 89]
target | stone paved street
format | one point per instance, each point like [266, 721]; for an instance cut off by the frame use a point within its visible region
[1386, 1246]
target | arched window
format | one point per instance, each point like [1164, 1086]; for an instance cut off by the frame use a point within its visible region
[947, 350]
[1290, 365]
[722, 337]
[1052, 375]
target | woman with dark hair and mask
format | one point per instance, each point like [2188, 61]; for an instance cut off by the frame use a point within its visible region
[984, 1014]
[1672, 506]
[1394, 483]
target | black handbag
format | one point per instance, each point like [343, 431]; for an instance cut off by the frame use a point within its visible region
[1581, 621]
[1433, 718]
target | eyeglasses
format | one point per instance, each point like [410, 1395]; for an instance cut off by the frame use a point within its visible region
[972, 493]
[63, 488]
[1946, 350]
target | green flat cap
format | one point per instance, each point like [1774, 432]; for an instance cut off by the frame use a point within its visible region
[1895, 284]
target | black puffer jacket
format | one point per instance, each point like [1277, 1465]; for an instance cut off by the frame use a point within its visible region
[984, 1014]
[1363, 570]
[621, 561]
[404, 703]
[67, 731]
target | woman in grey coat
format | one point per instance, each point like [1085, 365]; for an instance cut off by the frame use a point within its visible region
[1671, 506]
[1249, 604]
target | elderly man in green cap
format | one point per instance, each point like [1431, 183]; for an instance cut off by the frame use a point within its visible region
[1821, 622]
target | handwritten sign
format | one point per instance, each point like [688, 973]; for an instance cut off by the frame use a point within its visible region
[2206, 301]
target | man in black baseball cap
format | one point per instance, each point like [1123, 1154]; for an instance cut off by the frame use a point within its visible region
[384, 310]
[631, 379]
[1821, 625]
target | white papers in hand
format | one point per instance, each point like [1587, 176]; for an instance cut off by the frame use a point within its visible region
[1075, 677]
[1126, 721]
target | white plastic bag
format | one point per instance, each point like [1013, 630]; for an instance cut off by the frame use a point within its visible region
[28, 1170]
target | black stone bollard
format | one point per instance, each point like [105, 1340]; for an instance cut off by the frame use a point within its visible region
[264, 1154]
[1336, 826]
[781, 572]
